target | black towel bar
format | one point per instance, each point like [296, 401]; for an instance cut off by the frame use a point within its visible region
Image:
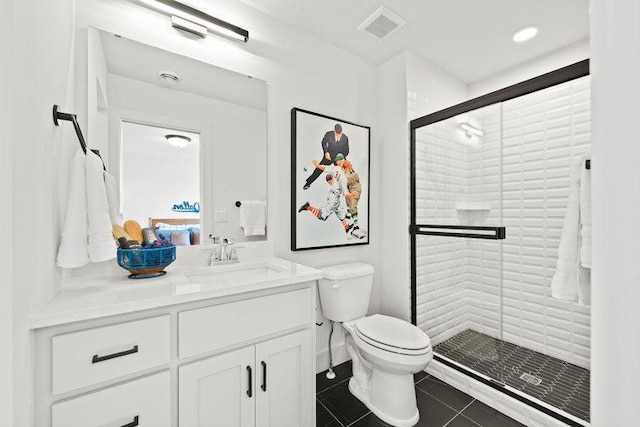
[59, 115]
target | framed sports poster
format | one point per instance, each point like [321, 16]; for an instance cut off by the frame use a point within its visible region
[329, 181]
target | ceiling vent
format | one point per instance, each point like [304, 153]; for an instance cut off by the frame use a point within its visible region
[381, 23]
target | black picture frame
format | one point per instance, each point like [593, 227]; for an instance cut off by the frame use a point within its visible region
[329, 211]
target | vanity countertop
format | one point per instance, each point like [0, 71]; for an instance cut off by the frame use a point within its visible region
[92, 297]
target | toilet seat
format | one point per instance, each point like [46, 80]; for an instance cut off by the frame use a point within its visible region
[392, 335]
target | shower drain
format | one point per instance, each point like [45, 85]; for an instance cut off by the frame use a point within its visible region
[531, 379]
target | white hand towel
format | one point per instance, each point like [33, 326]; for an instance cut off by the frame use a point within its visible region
[253, 217]
[585, 216]
[112, 199]
[73, 252]
[102, 247]
[571, 281]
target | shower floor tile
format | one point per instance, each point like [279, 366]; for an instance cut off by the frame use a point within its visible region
[546, 378]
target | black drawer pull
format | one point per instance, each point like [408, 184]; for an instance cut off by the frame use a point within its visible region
[97, 359]
[249, 388]
[264, 376]
[133, 423]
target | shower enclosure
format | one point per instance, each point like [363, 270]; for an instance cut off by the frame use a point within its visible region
[489, 191]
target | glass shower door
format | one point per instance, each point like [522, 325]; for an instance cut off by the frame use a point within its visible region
[457, 236]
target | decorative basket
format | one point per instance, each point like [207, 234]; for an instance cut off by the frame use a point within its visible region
[144, 263]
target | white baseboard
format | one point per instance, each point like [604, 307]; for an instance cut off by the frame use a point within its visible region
[509, 406]
[340, 355]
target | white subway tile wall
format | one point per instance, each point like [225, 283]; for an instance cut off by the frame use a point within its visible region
[517, 175]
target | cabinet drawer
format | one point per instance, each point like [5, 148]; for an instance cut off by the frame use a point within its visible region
[147, 401]
[91, 356]
[211, 328]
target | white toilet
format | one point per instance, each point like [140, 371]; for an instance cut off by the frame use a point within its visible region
[385, 351]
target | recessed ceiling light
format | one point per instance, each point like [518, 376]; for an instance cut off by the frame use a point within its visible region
[525, 34]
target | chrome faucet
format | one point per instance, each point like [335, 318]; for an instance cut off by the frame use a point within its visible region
[214, 255]
[224, 252]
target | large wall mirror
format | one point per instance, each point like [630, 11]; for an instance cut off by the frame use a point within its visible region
[186, 140]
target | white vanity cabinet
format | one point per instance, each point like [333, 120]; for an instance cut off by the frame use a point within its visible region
[266, 384]
[242, 359]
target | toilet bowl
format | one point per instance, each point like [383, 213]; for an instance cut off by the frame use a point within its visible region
[383, 367]
[385, 351]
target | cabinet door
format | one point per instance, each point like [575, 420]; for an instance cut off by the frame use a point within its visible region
[285, 381]
[218, 391]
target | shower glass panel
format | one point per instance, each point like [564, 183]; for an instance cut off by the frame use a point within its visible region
[458, 183]
[485, 302]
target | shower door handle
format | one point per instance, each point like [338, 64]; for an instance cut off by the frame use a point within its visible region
[470, 231]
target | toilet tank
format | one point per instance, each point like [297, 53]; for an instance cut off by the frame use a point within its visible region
[345, 291]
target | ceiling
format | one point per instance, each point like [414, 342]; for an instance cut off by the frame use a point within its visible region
[141, 141]
[470, 39]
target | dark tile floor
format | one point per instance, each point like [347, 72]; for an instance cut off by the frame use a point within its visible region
[439, 405]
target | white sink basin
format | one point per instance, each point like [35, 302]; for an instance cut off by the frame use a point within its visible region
[235, 274]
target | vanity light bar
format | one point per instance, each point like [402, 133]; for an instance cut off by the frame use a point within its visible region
[191, 27]
[196, 21]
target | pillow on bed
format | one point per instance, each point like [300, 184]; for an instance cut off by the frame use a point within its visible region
[181, 237]
[195, 236]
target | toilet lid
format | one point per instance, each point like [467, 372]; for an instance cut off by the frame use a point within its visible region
[393, 332]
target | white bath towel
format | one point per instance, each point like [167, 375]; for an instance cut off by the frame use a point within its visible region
[253, 217]
[73, 252]
[101, 245]
[112, 199]
[571, 281]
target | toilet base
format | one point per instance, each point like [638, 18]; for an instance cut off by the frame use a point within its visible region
[393, 398]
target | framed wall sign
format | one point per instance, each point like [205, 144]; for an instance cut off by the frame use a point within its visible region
[329, 181]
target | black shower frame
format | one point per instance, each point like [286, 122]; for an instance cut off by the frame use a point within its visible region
[544, 81]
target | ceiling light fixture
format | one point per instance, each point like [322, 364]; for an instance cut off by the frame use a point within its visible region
[471, 130]
[525, 34]
[194, 21]
[169, 77]
[179, 141]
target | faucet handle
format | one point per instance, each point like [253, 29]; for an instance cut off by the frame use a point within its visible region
[229, 241]
[233, 255]
[214, 239]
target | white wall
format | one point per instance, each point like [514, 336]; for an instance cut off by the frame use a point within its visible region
[562, 57]
[6, 164]
[41, 76]
[157, 175]
[615, 67]
[404, 76]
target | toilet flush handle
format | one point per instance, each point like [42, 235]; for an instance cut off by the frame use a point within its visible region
[336, 285]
